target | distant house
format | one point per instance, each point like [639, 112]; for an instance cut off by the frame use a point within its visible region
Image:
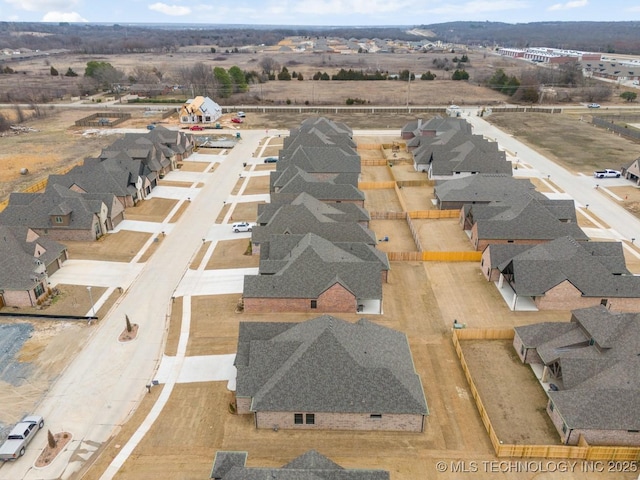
[592, 366]
[306, 273]
[342, 165]
[632, 171]
[27, 260]
[200, 110]
[327, 373]
[481, 189]
[520, 219]
[565, 274]
[419, 130]
[308, 466]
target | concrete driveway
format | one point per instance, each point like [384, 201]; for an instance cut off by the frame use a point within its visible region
[97, 274]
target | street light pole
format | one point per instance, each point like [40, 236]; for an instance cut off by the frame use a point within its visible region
[93, 309]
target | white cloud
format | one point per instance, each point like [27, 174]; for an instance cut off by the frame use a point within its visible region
[173, 10]
[478, 6]
[63, 17]
[44, 5]
[569, 5]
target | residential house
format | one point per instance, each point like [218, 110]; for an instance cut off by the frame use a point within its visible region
[176, 145]
[340, 212]
[200, 110]
[565, 274]
[311, 465]
[456, 154]
[327, 373]
[117, 175]
[592, 367]
[306, 273]
[482, 189]
[62, 214]
[310, 217]
[27, 260]
[417, 130]
[294, 181]
[632, 171]
[520, 219]
[324, 163]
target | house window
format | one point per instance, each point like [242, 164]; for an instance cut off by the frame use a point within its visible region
[376, 416]
[297, 419]
[310, 419]
[603, 302]
[58, 219]
[564, 428]
[521, 349]
[551, 406]
[509, 241]
[314, 304]
[39, 290]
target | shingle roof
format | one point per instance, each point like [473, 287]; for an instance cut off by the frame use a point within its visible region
[311, 465]
[20, 251]
[525, 217]
[598, 353]
[324, 159]
[311, 267]
[596, 269]
[484, 188]
[327, 365]
[297, 181]
[340, 212]
[300, 219]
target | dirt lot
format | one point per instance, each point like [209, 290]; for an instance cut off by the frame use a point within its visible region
[112, 247]
[151, 210]
[444, 235]
[576, 145]
[381, 200]
[496, 369]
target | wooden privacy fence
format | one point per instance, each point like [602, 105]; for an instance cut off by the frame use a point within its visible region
[431, 214]
[582, 451]
[431, 256]
[388, 215]
[376, 185]
[373, 162]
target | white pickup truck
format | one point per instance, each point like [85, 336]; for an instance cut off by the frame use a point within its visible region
[20, 436]
[607, 173]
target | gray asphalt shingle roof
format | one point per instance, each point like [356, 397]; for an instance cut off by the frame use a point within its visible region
[525, 217]
[596, 269]
[18, 255]
[327, 365]
[311, 465]
[484, 188]
[340, 212]
[311, 267]
[598, 352]
[298, 181]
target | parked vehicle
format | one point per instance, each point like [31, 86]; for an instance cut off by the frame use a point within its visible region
[196, 128]
[16, 443]
[607, 173]
[242, 227]
[593, 105]
[236, 120]
[242, 114]
[270, 160]
[151, 126]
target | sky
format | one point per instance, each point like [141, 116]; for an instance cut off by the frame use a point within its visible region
[316, 12]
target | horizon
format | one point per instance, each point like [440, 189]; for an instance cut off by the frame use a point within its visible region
[322, 13]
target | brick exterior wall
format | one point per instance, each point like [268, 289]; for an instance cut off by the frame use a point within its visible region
[485, 266]
[343, 421]
[593, 437]
[243, 405]
[21, 298]
[567, 297]
[334, 299]
[529, 356]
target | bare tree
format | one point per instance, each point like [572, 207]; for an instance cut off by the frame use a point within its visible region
[51, 439]
[269, 65]
[129, 327]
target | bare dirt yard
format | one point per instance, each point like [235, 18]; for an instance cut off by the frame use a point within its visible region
[112, 247]
[381, 200]
[442, 235]
[496, 370]
[575, 144]
[151, 210]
